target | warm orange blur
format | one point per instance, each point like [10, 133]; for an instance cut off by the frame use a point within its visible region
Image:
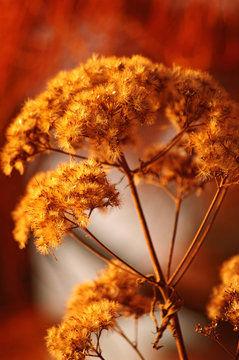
[39, 37]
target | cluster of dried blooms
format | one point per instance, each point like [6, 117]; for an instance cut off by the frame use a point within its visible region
[102, 105]
[224, 303]
[57, 201]
[176, 169]
[95, 306]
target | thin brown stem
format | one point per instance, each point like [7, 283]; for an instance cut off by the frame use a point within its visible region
[178, 202]
[204, 235]
[78, 156]
[120, 332]
[161, 153]
[157, 268]
[97, 354]
[198, 233]
[136, 328]
[169, 192]
[154, 258]
[93, 250]
[103, 257]
[152, 309]
[228, 351]
[179, 338]
[117, 257]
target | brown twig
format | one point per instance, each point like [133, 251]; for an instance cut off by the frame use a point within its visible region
[149, 280]
[120, 332]
[199, 231]
[162, 152]
[104, 258]
[154, 258]
[161, 283]
[178, 202]
[79, 156]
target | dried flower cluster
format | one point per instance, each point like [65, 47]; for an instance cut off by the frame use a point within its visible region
[224, 303]
[177, 169]
[95, 306]
[115, 284]
[72, 339]
[57, 201]
[103, 107]
[102, 104]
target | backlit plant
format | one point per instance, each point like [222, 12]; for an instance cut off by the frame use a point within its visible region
[103, 107]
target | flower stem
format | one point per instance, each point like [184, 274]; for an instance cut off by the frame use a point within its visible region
[179, 338]
[120, 332]
[157, 268]
[116, 256]
[77, 156]
[164, 151]
[154, 258]
[220, 190]
[178, 202]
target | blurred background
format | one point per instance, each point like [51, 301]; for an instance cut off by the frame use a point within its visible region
[38, 38]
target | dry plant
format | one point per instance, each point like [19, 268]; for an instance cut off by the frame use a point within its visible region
[103, 107]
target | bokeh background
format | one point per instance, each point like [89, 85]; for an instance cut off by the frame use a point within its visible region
[38, 38]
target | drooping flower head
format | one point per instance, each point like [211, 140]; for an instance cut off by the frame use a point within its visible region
[224, 302]
[95, 306]
[114, 284]
[57, 201]
[73, 338]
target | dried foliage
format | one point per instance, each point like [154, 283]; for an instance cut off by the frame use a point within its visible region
[57, 201]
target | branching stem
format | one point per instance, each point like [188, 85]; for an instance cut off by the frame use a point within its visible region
[178, 202]
[78, 156]
[116, 256]
[161, 283]
[199, 231]
[204, 235]
[134, 346]
[164, 151]
[154, 258]
[103, 257]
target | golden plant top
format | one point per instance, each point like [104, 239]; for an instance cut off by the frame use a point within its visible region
[57, 201]
[102, 104]
[95, 306]
[224, 303]
[72, 338]
[115, 284]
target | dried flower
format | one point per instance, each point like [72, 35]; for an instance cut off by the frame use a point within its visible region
[72, 339]
[177, 168]
[115, 284]
[57, 201]
[97, 105]
[217, 143]
[102, 104]
[93, 307]
[224, 302]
